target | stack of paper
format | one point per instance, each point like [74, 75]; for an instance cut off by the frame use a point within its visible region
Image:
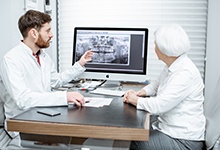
[97, 101]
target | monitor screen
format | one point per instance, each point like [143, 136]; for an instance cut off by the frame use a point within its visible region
[118, 53]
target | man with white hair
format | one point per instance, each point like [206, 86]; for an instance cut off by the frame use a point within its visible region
[176, 96]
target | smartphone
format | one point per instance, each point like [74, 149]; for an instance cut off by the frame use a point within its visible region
[48, 112]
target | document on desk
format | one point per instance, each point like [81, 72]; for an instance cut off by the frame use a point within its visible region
[97, 101]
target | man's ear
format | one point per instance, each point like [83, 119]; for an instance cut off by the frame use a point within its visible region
[33, 33]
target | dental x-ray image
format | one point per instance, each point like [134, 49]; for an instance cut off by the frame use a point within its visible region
[107, 49]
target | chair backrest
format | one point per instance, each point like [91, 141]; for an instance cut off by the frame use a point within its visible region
[2, 112]
[212, 113]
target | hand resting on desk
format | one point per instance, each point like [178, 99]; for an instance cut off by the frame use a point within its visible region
[76, 98]
[131, 96]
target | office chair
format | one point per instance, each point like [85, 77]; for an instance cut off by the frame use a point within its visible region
[212, 114]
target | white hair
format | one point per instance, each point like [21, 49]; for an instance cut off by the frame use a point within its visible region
[172, 40]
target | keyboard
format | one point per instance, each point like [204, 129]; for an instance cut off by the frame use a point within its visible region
[108, 92]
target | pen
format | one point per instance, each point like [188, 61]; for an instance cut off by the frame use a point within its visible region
[82, 89]
[87, 89]
[71, 104]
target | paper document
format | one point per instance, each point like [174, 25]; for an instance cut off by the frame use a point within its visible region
[97, 101]
[91, 84]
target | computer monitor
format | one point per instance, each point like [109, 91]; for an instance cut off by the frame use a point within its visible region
[119, 54]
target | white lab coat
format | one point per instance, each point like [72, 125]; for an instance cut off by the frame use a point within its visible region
[29, 84]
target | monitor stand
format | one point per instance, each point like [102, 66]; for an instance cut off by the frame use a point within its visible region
[111, 84]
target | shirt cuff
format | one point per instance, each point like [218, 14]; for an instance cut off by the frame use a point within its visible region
[148, 89]
[79, 66]
[140, 102]
[61, 97]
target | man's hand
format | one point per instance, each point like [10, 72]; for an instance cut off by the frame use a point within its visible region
[86, 57]
[76, 98]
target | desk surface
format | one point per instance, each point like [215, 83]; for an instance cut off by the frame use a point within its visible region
[119, 121]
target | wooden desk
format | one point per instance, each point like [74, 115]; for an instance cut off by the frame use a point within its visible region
[119, 121]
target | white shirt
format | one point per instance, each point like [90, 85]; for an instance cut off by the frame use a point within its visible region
[178, 101]
[29, 84]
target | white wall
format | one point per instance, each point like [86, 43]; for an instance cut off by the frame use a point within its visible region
[213, 48]
[10, 36]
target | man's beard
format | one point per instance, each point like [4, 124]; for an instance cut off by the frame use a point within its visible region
[41, 43]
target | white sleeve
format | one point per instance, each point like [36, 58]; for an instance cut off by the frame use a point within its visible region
[152, 88]
[59, 79]
[171, 95]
